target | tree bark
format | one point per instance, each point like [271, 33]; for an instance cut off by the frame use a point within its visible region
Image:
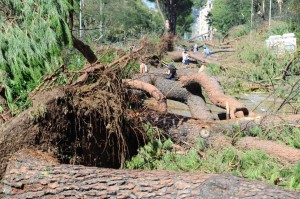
[33, 174]
[171, 12]
[216, 94]
[85, 50]
[270, 147]
[191, 95]
[6, 113]
[176, 56]
[152, 90]
[182, 129]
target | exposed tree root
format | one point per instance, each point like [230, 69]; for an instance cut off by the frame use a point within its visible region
[78, 124]
[49, 179]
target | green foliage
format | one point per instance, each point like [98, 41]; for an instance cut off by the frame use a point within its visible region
[279, 28]
[240, 30]
[178, 14]
[253, 164]
[214, 69]
[30, 43]
[199, 3]
[119, 20]
[226, 13]
[266, 65]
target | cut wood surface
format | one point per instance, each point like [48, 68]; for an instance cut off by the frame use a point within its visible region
[31, 174]
[216, 94]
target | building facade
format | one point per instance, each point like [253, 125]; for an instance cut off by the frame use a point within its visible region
[201, 29]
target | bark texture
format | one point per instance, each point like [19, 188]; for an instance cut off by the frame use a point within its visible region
[182, 129]
[152, 90]
[31, 175]
[177, 57]
[191, 95]
[216, 94]
[86, 50]
[270, 147]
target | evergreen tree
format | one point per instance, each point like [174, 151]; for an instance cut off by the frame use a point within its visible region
[32, 35]
[174, 10]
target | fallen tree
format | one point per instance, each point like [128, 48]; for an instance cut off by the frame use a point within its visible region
[191, 95]
[176, 56]
[49, 179]
[216, 94]
[159, 97]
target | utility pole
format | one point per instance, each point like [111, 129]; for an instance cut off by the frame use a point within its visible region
[270, 13]
[81, 3]
[251, 14]
[101, 20]
[251, 23]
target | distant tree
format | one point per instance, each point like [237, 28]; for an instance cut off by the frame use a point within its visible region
[227, 13]
[115, 20]
[175, 9]
[199, 3]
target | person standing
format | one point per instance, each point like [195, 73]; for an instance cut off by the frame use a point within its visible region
[185, 58]
[171, 71]
[195, 47]
[143, 67]
[206, 51]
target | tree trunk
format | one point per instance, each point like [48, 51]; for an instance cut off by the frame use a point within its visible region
[270, 147]
[33, 174]
[176, 56]
[171, 11]
[182, 129]
[191, 95]
[6, 113]
[216, 94]
[85, 50]
[152, 90]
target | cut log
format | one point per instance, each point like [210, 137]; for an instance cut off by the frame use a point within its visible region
[152, 90]
[28, 176]
[216, 94]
